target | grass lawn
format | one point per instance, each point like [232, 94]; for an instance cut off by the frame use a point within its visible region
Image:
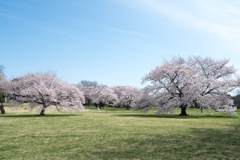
[118, 134]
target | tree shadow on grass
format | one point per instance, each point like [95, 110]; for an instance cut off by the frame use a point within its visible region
[237, 128]
[174, 116]
[197, 144]
[37, 115]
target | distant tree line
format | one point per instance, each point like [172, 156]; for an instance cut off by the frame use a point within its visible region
[103, 96]
[179, 83]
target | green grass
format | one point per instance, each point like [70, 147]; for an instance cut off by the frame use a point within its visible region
[118, 134]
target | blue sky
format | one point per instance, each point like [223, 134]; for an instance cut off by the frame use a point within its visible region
[113, 42]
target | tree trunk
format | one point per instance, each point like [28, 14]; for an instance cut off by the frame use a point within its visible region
[42, 113]
[183, 111]
[2, 109]
[2, 98]
[107, 108]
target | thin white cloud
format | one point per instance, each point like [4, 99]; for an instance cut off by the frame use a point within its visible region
[218, 17]
[45, 27]
[128, 33]
[13, 17]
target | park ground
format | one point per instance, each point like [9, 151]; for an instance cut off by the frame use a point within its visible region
[118, 134]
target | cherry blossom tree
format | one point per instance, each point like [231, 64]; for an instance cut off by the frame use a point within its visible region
[181, 83]
[94, 95]
[2, 92]
[145, 101]
[102, 96]
[3, 83]
[107, 97]
[42, 90]
[127, 96]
